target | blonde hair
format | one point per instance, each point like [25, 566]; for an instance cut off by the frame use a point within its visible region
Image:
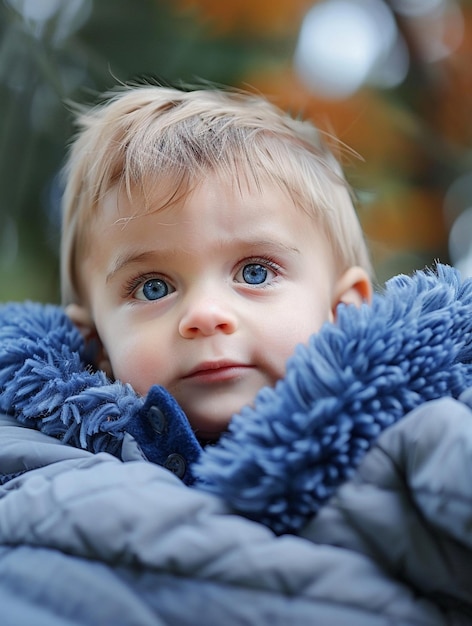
[147, 135]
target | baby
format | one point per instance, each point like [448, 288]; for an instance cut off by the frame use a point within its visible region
[206, 234]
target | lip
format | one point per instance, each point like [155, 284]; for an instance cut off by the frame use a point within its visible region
[216, 371]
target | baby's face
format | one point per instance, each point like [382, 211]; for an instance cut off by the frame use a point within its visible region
[207, 297]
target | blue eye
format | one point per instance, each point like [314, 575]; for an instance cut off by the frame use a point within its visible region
[153, 289]
[254, 274]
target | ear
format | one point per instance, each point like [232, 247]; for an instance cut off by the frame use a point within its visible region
[95, 350]
[80, 317]
[352, 287]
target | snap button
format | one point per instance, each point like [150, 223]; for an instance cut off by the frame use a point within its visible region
[176, 464]
[157, 419]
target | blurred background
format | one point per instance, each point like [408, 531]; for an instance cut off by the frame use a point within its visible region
[392, 79]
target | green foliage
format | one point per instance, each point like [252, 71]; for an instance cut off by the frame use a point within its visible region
[82, 49]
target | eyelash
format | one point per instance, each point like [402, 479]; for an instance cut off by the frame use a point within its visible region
[268, 262]
[137, 281]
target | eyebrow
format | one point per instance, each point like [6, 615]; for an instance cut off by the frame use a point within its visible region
[134, 257]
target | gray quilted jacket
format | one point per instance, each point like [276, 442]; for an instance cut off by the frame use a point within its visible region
[342, 497]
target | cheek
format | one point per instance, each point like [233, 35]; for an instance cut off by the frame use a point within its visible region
[138, 363]
[136, 353]
[139, 375]
[283, 335]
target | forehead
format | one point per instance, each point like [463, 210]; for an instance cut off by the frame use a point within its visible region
[215, 199]
[214, 212]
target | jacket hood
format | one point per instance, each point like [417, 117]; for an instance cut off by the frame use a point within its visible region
[285, 456]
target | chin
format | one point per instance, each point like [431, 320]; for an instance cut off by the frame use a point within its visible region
[209, 429]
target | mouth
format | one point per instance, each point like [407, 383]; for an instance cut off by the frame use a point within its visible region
[217, 371]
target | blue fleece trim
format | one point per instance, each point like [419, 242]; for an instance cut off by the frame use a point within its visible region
[46, 384]
[284, 458]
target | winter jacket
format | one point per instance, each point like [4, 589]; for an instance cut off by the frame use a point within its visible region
[362, 453]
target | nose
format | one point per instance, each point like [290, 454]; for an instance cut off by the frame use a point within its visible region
[207, 316]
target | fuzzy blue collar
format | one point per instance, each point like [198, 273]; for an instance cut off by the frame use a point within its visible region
[286, 455]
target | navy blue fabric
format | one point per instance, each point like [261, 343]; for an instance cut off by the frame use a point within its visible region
[171, 436]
